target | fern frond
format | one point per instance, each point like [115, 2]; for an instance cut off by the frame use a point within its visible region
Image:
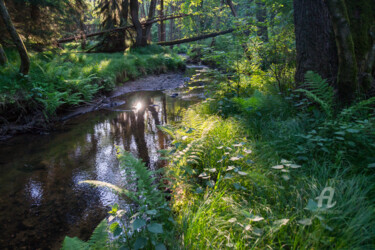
[99, 238]
[74, 243]
[361, 106]
[319, 91]
[114, 188]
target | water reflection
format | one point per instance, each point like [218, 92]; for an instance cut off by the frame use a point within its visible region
[40, 198]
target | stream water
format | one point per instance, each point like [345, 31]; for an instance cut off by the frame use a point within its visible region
[41, 199]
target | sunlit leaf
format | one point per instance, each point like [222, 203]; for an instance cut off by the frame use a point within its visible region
[280, 223]
[278, 167]
[305, 222]
[285, 177]
[242, 173]
[295, 166]
[283, 161]
[248, 151]
[232, 220]
[229, 168]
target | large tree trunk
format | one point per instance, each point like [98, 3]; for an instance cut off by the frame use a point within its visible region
[361, 14]
[25, 61]
[3, 56]
[316, 49]
[347, 81]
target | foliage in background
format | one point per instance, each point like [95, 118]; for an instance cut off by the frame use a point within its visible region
[64, 78]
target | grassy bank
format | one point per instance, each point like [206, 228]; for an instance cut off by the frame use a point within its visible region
[246, 172]
[64, 78]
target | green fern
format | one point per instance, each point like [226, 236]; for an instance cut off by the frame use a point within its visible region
[98, 239]
[319, 91]
[357, 108]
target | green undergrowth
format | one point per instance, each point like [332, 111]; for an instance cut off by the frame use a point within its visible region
[246, 172]
[61, 78]
[146, 224]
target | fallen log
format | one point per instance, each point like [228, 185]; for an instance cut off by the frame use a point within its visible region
[73, 38]
[192, 39]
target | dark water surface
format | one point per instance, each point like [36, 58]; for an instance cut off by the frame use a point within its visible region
[41, 199]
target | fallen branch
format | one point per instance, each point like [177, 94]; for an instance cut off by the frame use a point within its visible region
[192, 39]
[149, 22]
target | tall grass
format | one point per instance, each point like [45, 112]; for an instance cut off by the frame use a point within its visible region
[251, 182]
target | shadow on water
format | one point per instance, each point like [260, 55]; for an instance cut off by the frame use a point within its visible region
[40, 198]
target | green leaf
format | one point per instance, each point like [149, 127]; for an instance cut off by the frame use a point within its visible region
[140, 243]
[305, 222]
[311, 205]
[151, 212]
[160, 246]
[372, 165]
[352, 130]
[138, 223]
[155, 228]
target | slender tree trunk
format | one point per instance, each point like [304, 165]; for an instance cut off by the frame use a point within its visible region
[232, 9]
[316, 49]
[134, 8]
[171, 24]
[25, 61]
[347, 80]
[162, 26]
[3, 56]
[151, 14]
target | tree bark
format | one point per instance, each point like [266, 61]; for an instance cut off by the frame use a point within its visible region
[232, 9]
[25, 61]
[3, 56]
[162, 25]
[347, 81]
[134, 9]
[151, 14]
[316, 49]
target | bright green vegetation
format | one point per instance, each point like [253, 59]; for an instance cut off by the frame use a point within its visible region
[246, 172]
[61, 78]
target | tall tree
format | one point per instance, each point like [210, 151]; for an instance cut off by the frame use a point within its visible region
[335, 38]
[316, 49]
[25, 61]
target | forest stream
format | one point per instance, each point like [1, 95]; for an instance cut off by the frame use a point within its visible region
[41, 198]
